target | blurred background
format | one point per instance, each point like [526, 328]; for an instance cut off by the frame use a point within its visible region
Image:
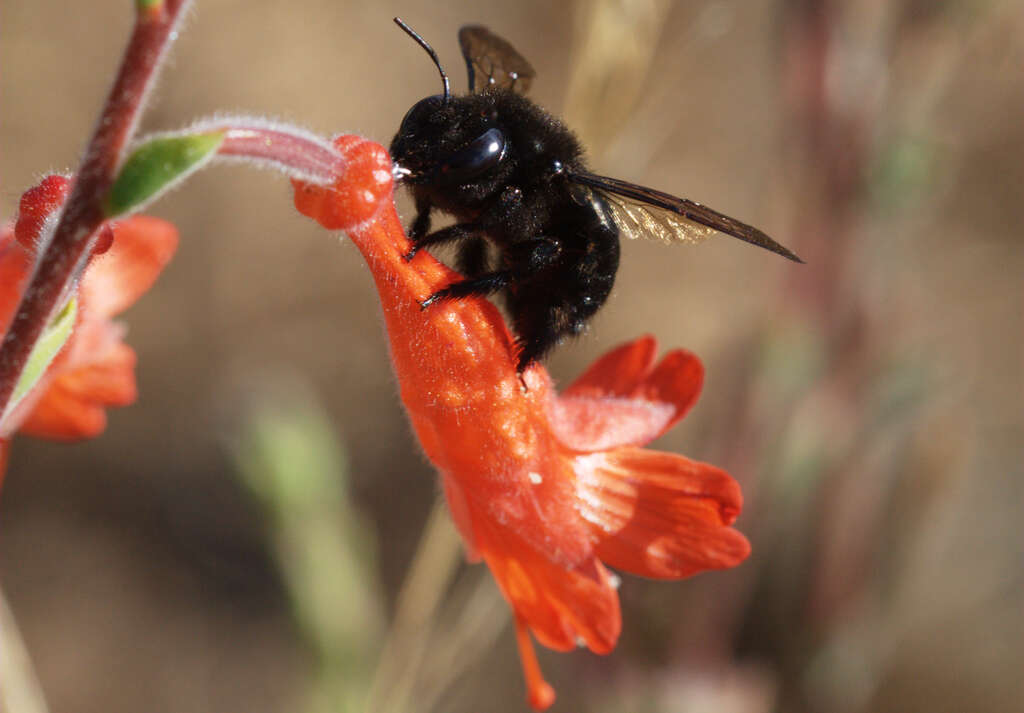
[256, 533]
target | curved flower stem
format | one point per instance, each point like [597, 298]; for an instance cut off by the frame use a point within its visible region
[67, 251]
[292, 152]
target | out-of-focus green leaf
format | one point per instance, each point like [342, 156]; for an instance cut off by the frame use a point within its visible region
[792, 357]
[903, 169]
[293, 463]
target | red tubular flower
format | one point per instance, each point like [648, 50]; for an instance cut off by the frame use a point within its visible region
[546, 488]
[95, 369]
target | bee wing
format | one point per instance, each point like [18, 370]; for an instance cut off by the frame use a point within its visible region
[644, 212]
[494, 59]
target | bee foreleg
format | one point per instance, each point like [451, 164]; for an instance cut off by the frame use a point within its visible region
[478, 286]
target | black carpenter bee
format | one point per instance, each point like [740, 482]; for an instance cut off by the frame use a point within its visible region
[514, 175]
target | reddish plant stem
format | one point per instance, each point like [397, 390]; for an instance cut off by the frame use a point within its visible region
[67, 251]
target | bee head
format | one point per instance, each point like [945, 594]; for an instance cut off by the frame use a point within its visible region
[449, 143]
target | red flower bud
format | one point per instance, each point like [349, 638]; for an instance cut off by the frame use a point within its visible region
[37, 203]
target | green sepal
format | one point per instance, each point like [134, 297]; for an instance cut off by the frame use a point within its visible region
[155, 166]
[50, 342]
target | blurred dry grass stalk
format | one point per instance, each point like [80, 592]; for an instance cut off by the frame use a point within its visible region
[20, 691]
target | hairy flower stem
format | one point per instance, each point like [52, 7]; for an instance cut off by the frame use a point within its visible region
[283, 148]
[63, 258]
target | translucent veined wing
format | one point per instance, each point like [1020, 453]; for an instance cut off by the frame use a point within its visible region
[493, 61]
[641, 212]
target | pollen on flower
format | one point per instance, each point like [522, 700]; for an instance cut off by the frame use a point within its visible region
[536, 478]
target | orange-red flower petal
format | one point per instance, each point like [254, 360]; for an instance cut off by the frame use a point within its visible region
[15, 262]
[142, 247]
[95, 369]
[625, 399]
[659, 514]
[565, 605]
[5, 452]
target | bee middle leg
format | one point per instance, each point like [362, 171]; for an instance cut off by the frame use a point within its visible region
[459, 231]
[538, 331]
[524, 259]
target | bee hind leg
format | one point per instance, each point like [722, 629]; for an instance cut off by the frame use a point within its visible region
[540, 330]
[472, 260]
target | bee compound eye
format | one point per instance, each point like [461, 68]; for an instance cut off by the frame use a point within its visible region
[479, 156]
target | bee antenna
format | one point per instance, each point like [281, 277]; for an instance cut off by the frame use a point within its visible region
[430, 50]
